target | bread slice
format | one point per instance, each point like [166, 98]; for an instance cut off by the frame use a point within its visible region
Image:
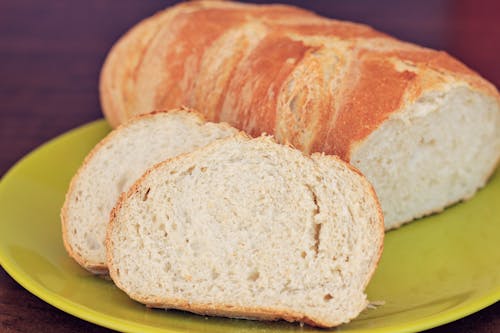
[114, 164]
[248, 228]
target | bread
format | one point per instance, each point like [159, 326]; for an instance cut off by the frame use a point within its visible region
[248, 228]
[420, 125]
[114, 164]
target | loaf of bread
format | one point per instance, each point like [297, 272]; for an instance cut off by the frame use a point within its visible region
[420, 125]
[248, 228]
[114, 164]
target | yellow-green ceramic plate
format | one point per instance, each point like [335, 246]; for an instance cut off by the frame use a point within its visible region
[432, 271]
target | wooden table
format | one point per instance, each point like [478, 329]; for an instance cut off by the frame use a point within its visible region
[51, 53]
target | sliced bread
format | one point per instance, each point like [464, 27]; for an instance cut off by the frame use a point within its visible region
[114, 164]
[248, 228]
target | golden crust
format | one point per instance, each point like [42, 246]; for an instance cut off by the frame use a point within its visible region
[240, 68]
[226, 310]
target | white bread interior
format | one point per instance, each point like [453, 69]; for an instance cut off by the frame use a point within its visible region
[249, 228]
[114, 164]
[442, 148]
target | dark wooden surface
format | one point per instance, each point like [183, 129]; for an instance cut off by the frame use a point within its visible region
[51, 53]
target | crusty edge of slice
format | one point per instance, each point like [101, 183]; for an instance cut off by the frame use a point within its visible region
[91, 266]
[226, 310]
[371, 190]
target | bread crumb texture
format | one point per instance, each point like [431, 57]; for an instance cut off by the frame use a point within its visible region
[249, 228]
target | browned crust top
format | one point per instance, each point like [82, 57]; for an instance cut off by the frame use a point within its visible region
[320, 84]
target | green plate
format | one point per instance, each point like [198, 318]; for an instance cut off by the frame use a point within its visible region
[433, 271]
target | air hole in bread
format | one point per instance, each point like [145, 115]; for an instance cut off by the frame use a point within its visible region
[163, 229]
[254, 275]
[303, 254]
[267, 157]
[314, 198]
[317, 231]
[203, 169]
[189, 171]
[146, 194]
[427, 141]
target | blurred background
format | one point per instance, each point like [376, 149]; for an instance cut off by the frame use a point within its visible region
[51, 53]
